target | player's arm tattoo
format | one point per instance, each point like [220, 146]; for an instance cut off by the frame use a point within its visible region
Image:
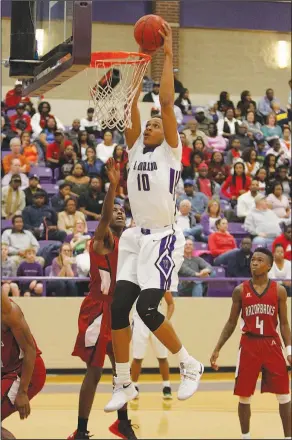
[232, 320]
[284, 324]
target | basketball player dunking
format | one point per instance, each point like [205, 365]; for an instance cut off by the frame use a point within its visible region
[23, 372]
[94, 338]
[151, 253]
[261, 302]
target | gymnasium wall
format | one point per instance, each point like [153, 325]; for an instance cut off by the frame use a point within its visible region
[198, 321]
[210, 61]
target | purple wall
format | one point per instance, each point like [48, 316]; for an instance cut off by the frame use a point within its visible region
[224, 14]
[220, 14]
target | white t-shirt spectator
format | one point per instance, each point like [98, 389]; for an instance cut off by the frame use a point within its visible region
[104, 152]
[220, 125]
[85, 123]
[284, 273]
[183, 221]
[279, 206]
[245, 203]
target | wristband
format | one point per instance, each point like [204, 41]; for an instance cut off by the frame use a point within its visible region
[289, 350]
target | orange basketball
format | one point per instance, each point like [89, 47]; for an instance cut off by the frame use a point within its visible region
[146, 32]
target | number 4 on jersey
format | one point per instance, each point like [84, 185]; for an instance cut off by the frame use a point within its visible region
[260, 325]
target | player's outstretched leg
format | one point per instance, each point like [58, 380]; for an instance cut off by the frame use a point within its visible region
[125, 295]
[135, 373]
[244, 415]
[164, 371]
[285, 413]
[86, 398]
[6, 435]
[191, 370]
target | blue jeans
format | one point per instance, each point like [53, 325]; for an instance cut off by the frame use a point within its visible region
[262, 241]
[196, 232]
[222, 260]
[195, 289]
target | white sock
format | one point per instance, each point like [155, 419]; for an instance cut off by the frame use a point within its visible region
[166, 383]
[123, 372]
[246, 436]
[135, 384]
[183, 355]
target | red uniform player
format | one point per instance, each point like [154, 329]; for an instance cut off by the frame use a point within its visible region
[23, 373]
[262, 304]
[94, 338]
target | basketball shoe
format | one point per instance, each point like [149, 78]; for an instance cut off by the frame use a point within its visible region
[190, 374]
[123, 429]
[79, 435]
[122, 393]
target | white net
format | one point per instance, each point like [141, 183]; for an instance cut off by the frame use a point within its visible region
[116, 85]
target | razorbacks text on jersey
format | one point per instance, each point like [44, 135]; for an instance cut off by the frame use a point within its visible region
[152, 179]
[259, 312]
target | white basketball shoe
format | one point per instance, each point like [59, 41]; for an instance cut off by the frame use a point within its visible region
[191, 373]
[122, 393]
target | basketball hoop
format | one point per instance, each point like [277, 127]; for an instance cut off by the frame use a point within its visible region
[118, 76]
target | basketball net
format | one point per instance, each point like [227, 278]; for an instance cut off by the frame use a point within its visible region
[113, 94]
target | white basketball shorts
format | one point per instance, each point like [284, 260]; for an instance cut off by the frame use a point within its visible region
[151, 258]
[140, 338]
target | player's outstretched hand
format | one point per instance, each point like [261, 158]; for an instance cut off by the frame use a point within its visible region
[213, 360]
[22, 405]
[113, 171]
[166, 34]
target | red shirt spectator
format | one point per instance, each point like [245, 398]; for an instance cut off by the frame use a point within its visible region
[237, 184]
[14, 96]
[285, 240]
[20, 121]
[56, 149]
[186, 151]
[221, 241]
[205, 185]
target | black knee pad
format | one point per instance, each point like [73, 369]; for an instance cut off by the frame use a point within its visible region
[147, 306]
[125, 295]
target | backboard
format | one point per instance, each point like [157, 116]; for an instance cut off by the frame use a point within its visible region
[58, 37]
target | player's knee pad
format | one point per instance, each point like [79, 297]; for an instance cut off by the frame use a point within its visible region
[245, 400]
[147, 306]
[283, 398]
[125, 295]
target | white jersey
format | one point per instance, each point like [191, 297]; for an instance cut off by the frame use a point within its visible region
[152, 179]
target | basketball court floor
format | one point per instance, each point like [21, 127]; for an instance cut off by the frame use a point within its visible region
[210, 414]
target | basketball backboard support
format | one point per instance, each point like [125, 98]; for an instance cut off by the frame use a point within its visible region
[63, 30]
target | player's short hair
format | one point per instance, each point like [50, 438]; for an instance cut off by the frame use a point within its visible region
[267, 252]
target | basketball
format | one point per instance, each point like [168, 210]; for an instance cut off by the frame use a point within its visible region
[146, 32]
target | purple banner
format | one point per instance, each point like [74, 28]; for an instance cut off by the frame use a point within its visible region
[220, 14]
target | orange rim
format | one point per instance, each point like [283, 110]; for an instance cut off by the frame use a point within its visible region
[107, 59]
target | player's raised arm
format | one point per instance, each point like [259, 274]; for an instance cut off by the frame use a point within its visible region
[166, 91]
[133, 133]
[229, 326]
[284, 324]
[103, 237]
[13, 318]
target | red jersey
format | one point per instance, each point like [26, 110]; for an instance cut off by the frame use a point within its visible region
[11, 353]
[260, 312]
[103, 272]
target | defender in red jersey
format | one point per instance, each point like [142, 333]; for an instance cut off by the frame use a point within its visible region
[263, 305]
[23, 373]
[94, 338]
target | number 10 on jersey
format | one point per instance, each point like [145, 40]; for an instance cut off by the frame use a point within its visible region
[143, 182]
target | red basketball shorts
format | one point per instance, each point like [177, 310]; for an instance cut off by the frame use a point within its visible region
[10, 384]
[259, 354]
[93, 341]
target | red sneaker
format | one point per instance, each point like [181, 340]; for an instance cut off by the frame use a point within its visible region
[79, 436]
[123, 429]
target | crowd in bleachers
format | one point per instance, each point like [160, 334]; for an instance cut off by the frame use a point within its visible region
[234, 193]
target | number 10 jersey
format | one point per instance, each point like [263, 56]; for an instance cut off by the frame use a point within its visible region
[152, 179]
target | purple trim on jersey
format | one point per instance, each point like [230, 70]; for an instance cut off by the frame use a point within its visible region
[171, 249]
[164, 262]
[171, 180]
